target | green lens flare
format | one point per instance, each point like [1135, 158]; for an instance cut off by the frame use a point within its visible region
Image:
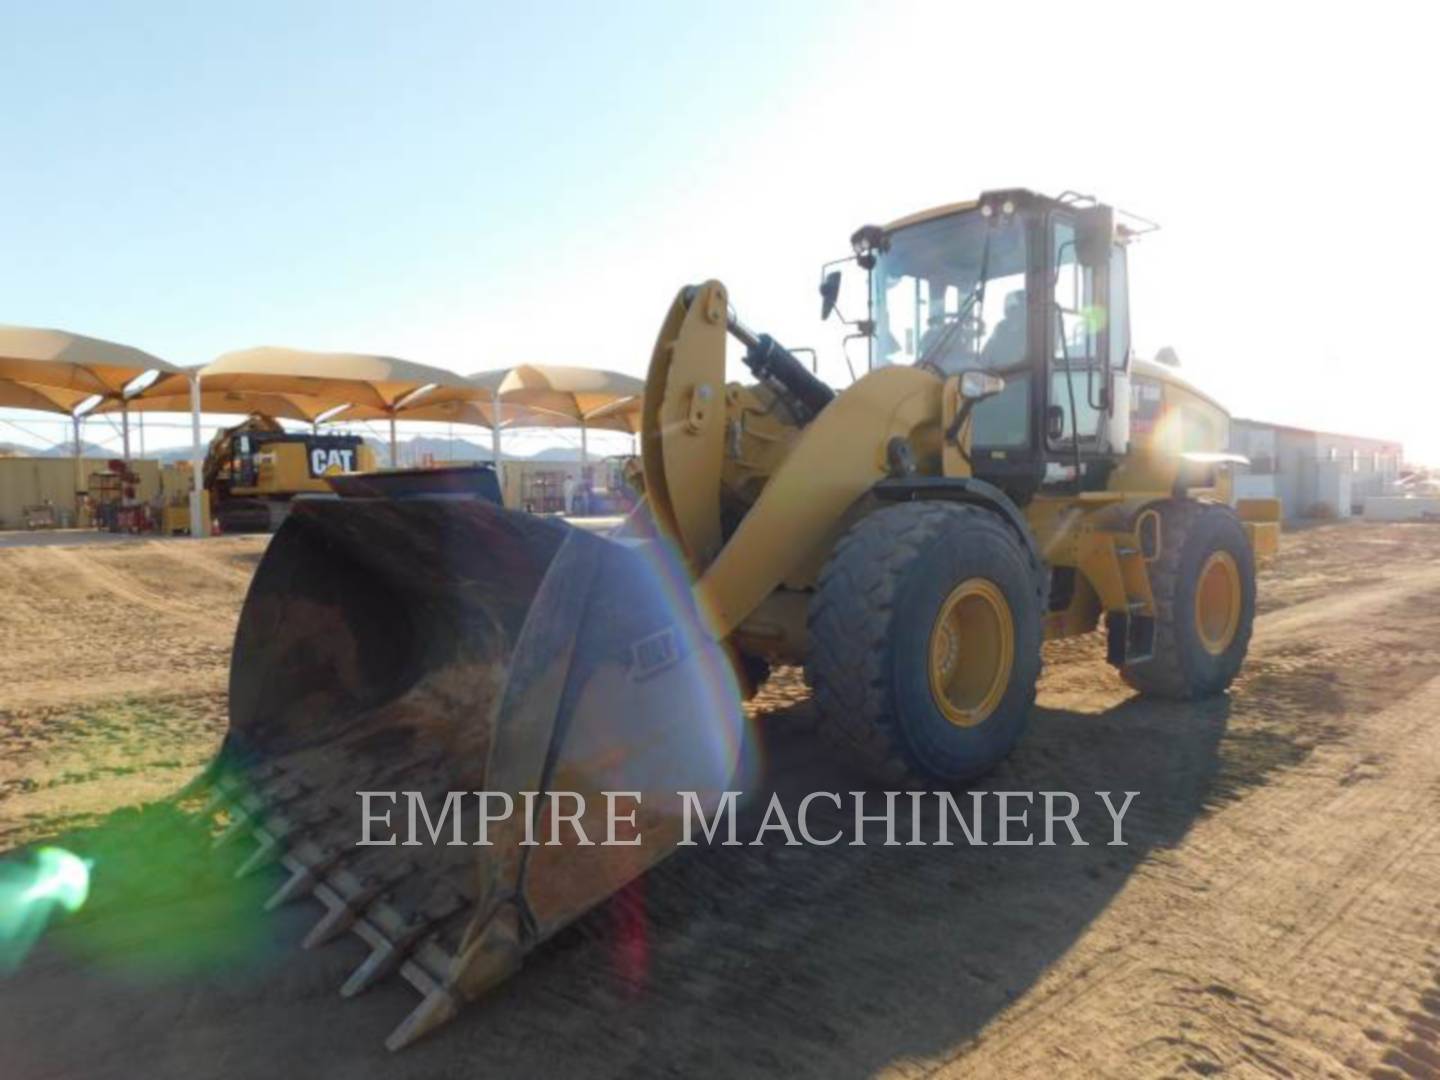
[61, 876]
[30, 892]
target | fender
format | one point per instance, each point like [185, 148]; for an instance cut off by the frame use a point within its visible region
[968, 489]
[839, 457]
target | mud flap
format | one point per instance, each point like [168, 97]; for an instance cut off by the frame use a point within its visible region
[430, 647]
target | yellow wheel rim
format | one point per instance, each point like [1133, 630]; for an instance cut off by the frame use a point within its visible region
[1217, 602]
[972, 651]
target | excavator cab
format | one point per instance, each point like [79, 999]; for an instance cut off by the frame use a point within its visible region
[1027, 288]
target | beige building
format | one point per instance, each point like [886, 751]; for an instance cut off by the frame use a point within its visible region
[1314, 473]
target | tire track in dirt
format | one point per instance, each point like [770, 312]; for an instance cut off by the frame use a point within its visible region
[195, 554]
[705, 960]
[94, 574]
[1267, 871]
[113, 667]
[1253, 926]
[1411, 1053]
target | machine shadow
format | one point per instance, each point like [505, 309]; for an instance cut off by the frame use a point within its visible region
[795, 961]
[838, 961]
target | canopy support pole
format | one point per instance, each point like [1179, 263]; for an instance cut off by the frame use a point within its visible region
[394, 443]
[497, 451]
[198, 526]
[125, 431]
[584, 451]
[80, 487]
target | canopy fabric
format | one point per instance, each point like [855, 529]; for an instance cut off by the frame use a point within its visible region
[236, 402]
[625, 417]
[57, 399]
[575, 393]
[58, 359]
[453, 411]
[379, 382]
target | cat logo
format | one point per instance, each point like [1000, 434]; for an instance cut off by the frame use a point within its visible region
[327, 461]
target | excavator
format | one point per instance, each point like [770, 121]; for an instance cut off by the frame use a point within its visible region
[1006, 472]
[256, 469]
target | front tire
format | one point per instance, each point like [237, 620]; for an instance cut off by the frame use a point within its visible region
[1204, 587]
[925, 640]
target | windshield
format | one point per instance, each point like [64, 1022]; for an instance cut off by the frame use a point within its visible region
[950, 294]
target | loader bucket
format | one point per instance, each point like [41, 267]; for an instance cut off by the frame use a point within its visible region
[436, 646]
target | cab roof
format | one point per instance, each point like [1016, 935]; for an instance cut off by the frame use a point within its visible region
[1069, 198]
[948, 209]
[931, 214]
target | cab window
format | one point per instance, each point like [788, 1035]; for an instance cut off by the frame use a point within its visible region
[1075, 332]
[950, 294]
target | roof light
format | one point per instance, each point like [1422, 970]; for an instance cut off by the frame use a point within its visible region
[87, 405]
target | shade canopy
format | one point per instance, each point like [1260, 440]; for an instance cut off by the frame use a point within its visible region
[59, 360]
[237, 402]
[56, 399]
[453, 411]
[579, 396]
[383, 383]
[623, 417]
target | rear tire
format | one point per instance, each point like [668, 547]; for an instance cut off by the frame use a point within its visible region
[1204, 588]
[925, 639]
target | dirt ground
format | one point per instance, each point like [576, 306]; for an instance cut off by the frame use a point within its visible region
[1276, 912]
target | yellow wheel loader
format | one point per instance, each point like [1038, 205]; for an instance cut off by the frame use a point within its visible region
[1005, 472]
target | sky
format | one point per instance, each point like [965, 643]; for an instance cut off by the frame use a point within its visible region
[476, 184]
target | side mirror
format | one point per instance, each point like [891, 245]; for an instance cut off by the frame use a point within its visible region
[829, 293]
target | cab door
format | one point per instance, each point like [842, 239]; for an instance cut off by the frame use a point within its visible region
[1087, 339]
[1076, 334]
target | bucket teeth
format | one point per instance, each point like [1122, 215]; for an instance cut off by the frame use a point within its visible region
[239, 819]
[341, 915]
[267, 852]
[303, 878]
[382, 960]
[392, 938]
[301, 881]
[436, 1008]
[385, 956]
[217, 798]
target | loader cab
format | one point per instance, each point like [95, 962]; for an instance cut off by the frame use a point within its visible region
[1026, 287]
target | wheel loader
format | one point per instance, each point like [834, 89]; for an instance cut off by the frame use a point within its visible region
[1005, 472]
